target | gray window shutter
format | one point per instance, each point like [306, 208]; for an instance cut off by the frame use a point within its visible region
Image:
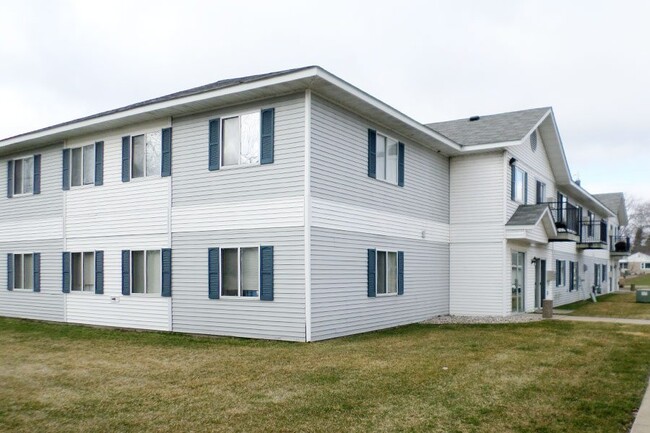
[126, 158]
[66, 272]
[214, 157]
[166, 166]
[10, 179]
[99, 272]
[37, 271]
[571, 276]
[37, 174]
[213, 273]
[400, 272]
[166, 254]
[400, 165]
[10, 271]
[512, 182]
[372, 273]
[126, 272]
[525, 188]
[66, 170]
[266, 273]
[267, 139]
[99, 163]
[372, 153]
[558, 277]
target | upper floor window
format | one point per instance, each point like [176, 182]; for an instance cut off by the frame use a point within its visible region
[241, 139]
[386, 158]
[23, 176]
[519, 185]
[591, 220]
[541, 192]
[146, 154]
[82, 165]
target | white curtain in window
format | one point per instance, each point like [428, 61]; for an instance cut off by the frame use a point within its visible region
[381, 157]
[29, 271]
[89, 272]
[28, 175]
[249, 271]
[231, 137]
[391, 280]
[154, 143]
[89, 164]
[391, 161]
[250, 138]
[137, 165]
[153, 271]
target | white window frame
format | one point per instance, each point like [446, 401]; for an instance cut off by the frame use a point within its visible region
[523, 185]
[562, 271]
[13, 187]
[144, 167]
[83, 272]
[222, 143]
[383, 176]
[132, 276]
[82, 166]
[26, 289]
[386, 250]
[239, 282]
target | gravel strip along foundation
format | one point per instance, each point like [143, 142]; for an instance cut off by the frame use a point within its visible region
[516, 318]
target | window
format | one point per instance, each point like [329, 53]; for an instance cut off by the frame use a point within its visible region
[23, 272]
[240, 136]
[604, 273]
[82, 165]
[519, 185]
[560, 273]
[82, 267]
[146, 272]
[562, 206]
[240, 272]
[597, 274]
[386, 272]
[146, 154]
[541, 193]
[23, 176]
[623, 265]
[387, 158]
[645, 265]
[591, 222]
[574, 278]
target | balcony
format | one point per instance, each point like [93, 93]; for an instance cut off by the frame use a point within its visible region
[567, 221]
[619, 246]
[593, 235]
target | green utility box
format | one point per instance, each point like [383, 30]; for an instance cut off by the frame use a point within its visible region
[643, 295]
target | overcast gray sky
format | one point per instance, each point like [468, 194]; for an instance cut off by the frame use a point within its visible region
[432, 60]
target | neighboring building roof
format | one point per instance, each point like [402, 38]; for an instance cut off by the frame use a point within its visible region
[527, 215]
[493, 128]
[637, 257]
[614, 201]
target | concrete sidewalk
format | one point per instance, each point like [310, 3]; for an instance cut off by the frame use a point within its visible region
[603, 319]
[642, 421]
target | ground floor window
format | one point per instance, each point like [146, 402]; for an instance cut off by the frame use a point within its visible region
[386, 272]
[145, 271]
[23, 272]
[82, 267]
[560, 273]
[240, 270]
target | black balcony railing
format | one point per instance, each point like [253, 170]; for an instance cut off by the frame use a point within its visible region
[566, 217]
[619, 244]
[593, 232]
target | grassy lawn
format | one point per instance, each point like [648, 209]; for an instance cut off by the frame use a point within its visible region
[641, 280]
[548, 376]
[611, 305]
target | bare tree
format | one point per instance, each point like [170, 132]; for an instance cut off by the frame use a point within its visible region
[638, 227]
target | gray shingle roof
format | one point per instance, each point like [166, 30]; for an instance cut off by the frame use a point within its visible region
[493, 128]
[612, 201]
[189, 92]
[527, 215]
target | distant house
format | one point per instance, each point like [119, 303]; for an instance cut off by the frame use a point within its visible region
[294, 206]
[635, 264]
